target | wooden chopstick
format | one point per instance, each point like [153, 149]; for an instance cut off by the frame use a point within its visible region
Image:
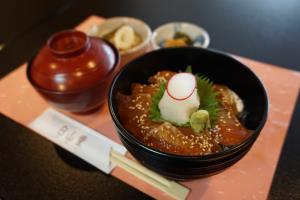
[172, 188]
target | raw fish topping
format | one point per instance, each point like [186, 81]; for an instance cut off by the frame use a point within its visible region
[203, 118]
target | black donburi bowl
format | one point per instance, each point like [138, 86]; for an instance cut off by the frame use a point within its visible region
[221, 69]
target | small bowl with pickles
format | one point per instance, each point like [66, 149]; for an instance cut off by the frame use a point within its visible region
[178, 34]
[129, 35]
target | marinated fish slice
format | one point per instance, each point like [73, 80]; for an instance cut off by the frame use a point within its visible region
[230, 98]
[134, 110]
[173, 139]
[232, 131]
[141, 88]
[161, 77]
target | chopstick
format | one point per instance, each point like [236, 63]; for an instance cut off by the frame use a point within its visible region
[172, 188]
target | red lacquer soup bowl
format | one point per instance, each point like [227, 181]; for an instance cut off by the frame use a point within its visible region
[73, 71]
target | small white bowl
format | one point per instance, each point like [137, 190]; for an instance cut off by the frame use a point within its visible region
[139, 26]
[198, 35]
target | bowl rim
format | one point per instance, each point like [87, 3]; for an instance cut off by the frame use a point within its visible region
[122, 130]
[45, 90]
[201, 29]
[140, 46]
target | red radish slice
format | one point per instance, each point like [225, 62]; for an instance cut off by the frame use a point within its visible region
[181, 86]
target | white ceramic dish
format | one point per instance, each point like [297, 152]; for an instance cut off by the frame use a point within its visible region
[139, 26]
[198, 35]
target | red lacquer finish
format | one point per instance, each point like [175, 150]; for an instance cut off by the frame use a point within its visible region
[73, 71]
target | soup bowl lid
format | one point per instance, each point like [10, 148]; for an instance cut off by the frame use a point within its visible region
[71, 60]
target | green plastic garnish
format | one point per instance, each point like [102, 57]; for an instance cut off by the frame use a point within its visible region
[199, 121]
[188, 69]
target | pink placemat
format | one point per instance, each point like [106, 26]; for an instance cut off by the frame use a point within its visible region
[250, 178]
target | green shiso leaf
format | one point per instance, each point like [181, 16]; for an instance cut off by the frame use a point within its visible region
[154, 109]
[208, 97]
